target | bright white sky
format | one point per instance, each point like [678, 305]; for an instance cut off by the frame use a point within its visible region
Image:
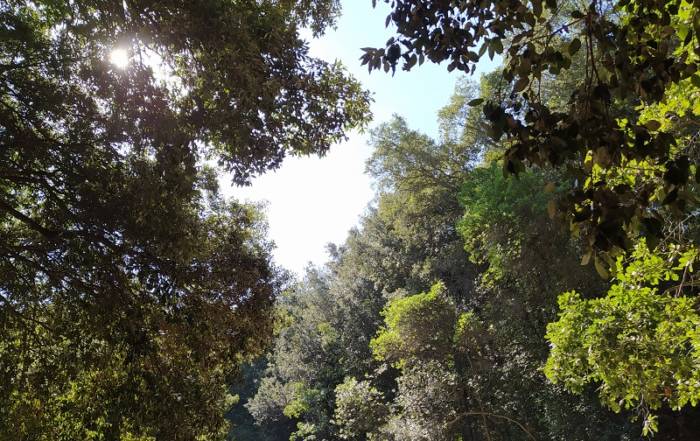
[314, 201]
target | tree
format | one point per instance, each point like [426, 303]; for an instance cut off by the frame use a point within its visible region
[526, 260]
[636, 54]
[463, 358]
[621, 145]
[87, 354]
[405, 243]
[360, 408]
[417, 180]
[129, 290]
[326, 323]
[471, 369]
[638, 342]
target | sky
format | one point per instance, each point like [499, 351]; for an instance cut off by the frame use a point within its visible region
[312, 201]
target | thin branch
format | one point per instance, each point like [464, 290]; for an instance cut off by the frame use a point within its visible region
[493, 415]
[28, 221]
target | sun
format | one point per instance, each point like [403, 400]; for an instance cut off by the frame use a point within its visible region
[119, 58]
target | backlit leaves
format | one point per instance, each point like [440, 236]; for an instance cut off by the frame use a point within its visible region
[631, 62]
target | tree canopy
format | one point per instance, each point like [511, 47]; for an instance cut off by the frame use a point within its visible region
[601, 97]
[429, 321]
[130, 290]
[542, 333]
[528, 272]
[627, 166]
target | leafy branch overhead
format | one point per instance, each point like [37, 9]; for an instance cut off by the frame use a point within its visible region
[130, 288]
[635, 54]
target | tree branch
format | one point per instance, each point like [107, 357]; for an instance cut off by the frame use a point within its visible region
[28, 221]
[493, 415]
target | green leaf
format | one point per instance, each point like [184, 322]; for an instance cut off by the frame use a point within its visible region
[497, 45]
[695, 79]
[475, 102]
[574, 46]
[586, 258]
[600, 268]
[652, 125]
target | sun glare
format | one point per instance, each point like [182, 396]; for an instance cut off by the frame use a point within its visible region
[119, 58]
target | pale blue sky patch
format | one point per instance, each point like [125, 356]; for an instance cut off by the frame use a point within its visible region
[314, 201]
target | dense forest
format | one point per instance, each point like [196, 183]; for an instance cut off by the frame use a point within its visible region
[526, 274]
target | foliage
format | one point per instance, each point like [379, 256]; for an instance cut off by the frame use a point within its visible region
[130, 291]
[243, 426]
[474, 373]
[639, 343]
[418, 338]
[495, 204]
[328, 325]
[461, 359]
[360, 408]
[103, 362]
[415, 328]
[598, 99]
[525, 259]
[637, 53]
[407, 242]
[417, 208]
